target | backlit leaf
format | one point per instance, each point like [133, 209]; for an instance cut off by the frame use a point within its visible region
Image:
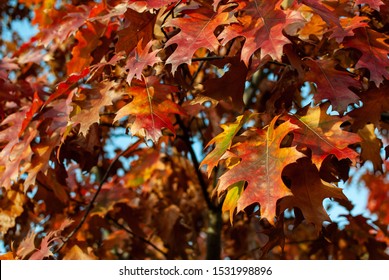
[323, 135]
[151, 108]
[262, 161]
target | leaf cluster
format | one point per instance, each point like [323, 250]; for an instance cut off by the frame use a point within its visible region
[194, 129]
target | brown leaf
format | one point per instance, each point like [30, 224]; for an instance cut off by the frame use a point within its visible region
[371, 146]
[75, 253]
[11, 207]
[89, 103]
[309, 191]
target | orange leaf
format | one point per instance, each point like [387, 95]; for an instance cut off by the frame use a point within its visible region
[223, 142]
[323, 134]
[91, 103]
[151, 108]
[262, 162]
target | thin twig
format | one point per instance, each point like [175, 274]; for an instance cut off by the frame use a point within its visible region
[187, 139]
[148, 242]
[207, 58]
[167, 15]
[93, 200]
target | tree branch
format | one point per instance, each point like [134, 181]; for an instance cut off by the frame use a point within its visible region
[93, 200]
[136, 236]
[204, 187]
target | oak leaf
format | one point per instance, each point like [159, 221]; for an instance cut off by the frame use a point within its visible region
[375, 102]
[348, 27]
[331, 84]
[87, 41]
[64, 24]
[91, 101]
[374, 4]
[374, 51]
[56, 116]
[67, 86]
[16, 149]
[370, 146]
[151, 108]
[261, 23]
[262, 161]
[323, 135]
[324, 11]
[139, 59]
[230, 202]
[223, 142]
[309, 191]
[135, 26]
[196, 31]
[45, 249]
[27, 245]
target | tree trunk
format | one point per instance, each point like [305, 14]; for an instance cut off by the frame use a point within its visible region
[214, 234]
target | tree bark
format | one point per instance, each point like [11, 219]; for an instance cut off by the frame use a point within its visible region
[214, 235]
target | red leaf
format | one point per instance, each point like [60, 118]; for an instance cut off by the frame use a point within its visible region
[374, 52]
[27, 245]
[139, 59]
[135, 26]
[331, 84]
[261, 165]
[65, 24]
[262, 24]
[68, 85]
[197, 31]
[325, 12]
[35, 106]
[323, 134]
[16, 150]
[88, 39]
[348, 26]
[151, 108]
[374, 4]
[142, 6]
[48, 242]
